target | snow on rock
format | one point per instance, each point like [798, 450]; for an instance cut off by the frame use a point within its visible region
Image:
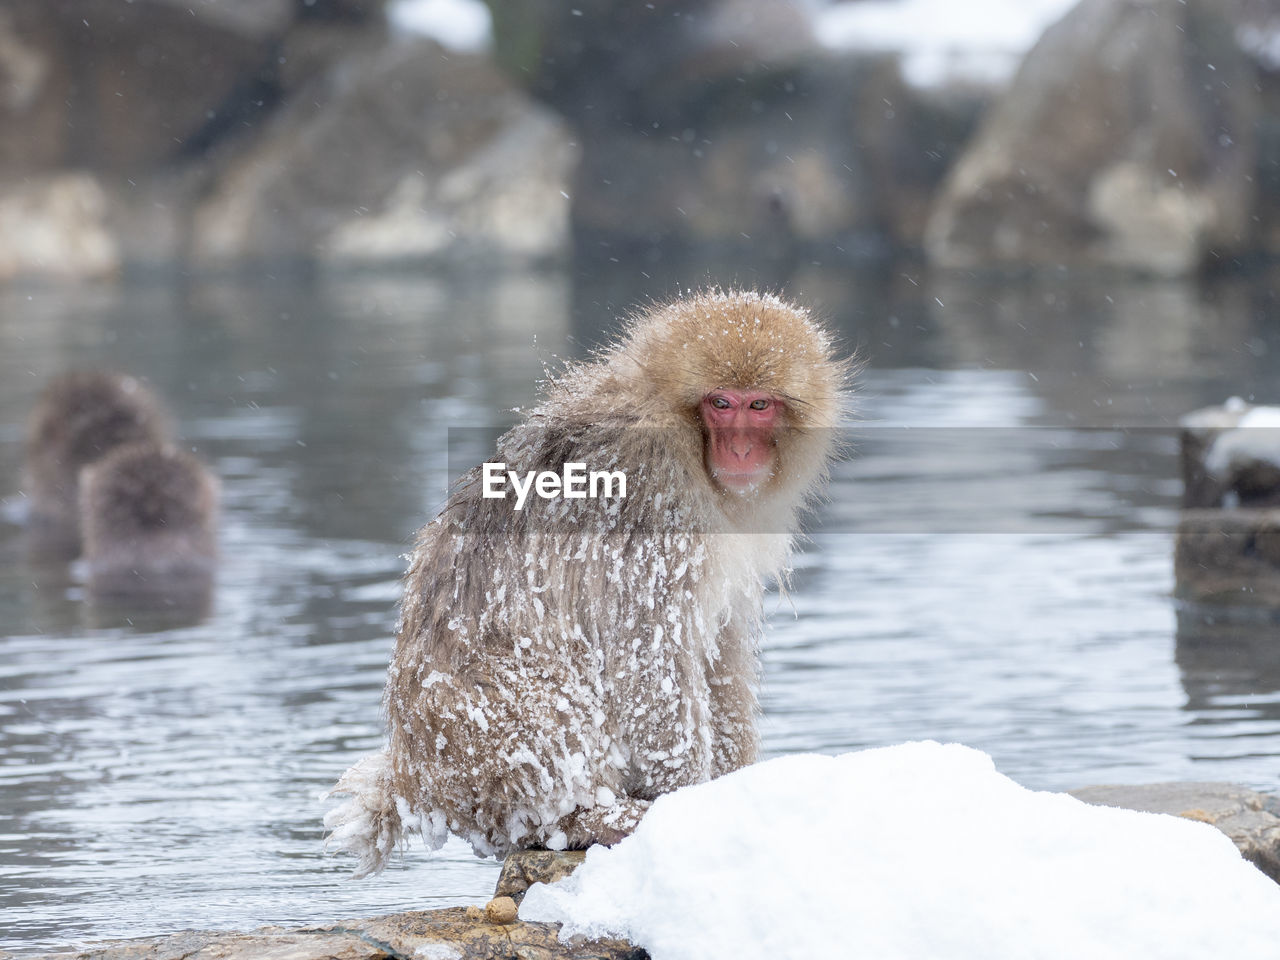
[464, 25]
[916, 851]
[1255, 439]
[940, 40]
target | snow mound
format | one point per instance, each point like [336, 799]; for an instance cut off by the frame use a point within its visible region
[915, 851]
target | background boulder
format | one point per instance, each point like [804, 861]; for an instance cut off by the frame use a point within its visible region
[1126, 140]
[725, 123]
[398, 151]
[234, 133]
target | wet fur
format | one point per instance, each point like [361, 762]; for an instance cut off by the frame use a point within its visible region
[558, 668]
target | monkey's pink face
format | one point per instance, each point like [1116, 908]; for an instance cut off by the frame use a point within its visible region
[741, 449]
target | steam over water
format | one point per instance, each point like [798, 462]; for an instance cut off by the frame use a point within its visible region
[993, 565]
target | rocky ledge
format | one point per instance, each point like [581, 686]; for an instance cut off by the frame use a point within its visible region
[1249, 818]
[457, 933]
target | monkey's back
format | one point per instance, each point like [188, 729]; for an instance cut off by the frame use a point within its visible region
[552, 656]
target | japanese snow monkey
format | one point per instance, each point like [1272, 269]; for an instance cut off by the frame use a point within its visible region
[149, 516]
[559, 666]
[81, 416]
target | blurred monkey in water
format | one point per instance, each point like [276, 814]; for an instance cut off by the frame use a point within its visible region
[559, 666]
[104, 482]
[80, 417]
[149, 524]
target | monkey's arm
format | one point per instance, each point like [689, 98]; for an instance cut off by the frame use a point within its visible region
[733, 679]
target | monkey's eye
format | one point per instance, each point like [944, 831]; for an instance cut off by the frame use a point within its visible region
[720, 403]
[761, 404]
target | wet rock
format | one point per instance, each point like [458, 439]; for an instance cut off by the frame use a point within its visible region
[524, 868]
[1126, 139]
[1247, 817]
[428, 935]
[397, 153]
[435, 933]
[269, 943]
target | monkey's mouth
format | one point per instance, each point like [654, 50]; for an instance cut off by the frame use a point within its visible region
[743, 481]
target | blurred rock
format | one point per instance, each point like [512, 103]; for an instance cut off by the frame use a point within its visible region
[124, 88]
[763, 184]
[723, 124]
[399, 152]
[599, 63]
[313, 47]
[129, 87]
[101, 110]
[1125, 140]
[905, 139]
[1230, 456]
[1247, 817]
[351, 11]
[35, 90]
[234, 133]
[1258, 33]
[76, 224]
[56, 226]
[1227, 549]
[764, 31]
[1197, 431]
[252, 18]
[328, 142]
